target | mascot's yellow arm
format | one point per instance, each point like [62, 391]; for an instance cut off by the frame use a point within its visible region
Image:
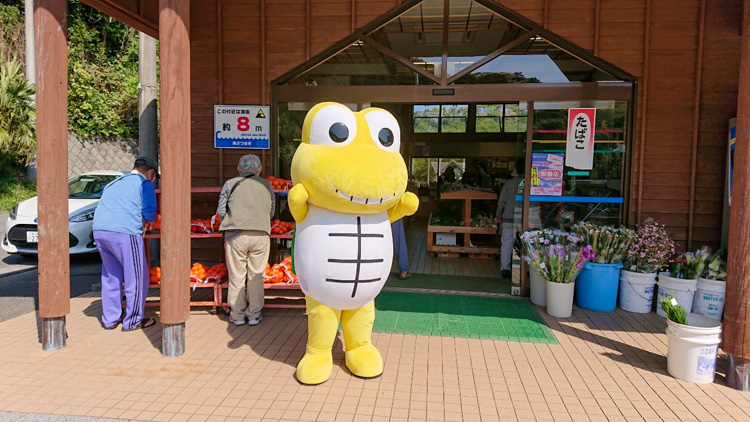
[406, 206]
[298, 202]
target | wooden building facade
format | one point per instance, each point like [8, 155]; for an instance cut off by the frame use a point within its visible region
[683, 57]
[684, 54]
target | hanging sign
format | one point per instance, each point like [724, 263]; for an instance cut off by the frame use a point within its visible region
[242, 127]
[546, 174]
[579, 152]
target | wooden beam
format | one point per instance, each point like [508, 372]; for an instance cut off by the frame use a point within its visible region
[527, 192]
[395, 56]
[696, 122]
[471, 93]
[644, 113]
[174, 24]
[127, 16]
[488, 58]
[50, 22]
[737, 310]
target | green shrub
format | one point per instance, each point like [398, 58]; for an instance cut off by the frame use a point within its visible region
[17, 139]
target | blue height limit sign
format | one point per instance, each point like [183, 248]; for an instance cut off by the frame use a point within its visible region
[242, 126]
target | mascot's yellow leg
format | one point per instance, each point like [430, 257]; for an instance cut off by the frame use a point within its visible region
[322, 326]
[362, 358]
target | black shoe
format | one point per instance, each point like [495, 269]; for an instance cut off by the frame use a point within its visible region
[506, 274]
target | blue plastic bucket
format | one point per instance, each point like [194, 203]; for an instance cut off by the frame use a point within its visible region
[596, 286]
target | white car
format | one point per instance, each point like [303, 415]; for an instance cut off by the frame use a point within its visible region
[84, 191]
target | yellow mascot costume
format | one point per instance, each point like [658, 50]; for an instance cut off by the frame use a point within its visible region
[349, 185]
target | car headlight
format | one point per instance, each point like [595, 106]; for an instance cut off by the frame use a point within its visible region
[14, 212]
[83, 216]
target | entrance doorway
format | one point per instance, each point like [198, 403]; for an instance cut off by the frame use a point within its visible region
[480, 93]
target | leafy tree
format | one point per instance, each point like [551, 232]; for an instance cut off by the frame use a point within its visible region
[11, 33]
[17, 114]
[103, 74]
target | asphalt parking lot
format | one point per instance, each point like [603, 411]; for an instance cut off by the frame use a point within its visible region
[19, 279]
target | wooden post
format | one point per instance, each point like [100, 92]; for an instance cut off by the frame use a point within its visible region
[50, 20]
[737, 310]
[525, 290]
[174, 35]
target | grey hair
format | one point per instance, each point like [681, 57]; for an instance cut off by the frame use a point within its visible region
[249, 162]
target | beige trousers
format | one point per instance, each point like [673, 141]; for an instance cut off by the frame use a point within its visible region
[246, 256]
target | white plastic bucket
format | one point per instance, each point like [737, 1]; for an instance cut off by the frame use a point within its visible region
[692, 349]
[537, 287]
[637, 291]
[683, 291]
[560, 299]
[709, 298]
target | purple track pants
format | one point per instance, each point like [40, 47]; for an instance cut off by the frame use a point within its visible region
[123, 263]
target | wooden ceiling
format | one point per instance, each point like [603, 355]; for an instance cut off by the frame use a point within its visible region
[142, 15]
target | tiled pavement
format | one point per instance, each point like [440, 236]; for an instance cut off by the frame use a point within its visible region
[607, 367]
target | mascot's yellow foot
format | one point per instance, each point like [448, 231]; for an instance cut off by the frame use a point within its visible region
[315, 368]
[365, 361]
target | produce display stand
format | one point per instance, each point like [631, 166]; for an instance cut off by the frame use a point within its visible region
[449, 251]
[221, 285]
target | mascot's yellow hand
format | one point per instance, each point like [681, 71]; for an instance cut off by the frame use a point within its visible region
[406, 206]
[298, 202]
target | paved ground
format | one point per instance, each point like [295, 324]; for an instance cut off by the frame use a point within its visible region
[37, 417]
[19, 292]
[19, 280]
[606, 367]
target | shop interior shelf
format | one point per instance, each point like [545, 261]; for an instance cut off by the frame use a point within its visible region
[218, 287]
[156, 234]
[467, 230]
[281, 286]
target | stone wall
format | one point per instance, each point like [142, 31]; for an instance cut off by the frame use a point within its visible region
[89, 154]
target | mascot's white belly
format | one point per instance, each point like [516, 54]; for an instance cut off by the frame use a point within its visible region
[343, 260]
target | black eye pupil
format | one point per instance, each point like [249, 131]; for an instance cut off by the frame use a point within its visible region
[385, 136]
[338, 132]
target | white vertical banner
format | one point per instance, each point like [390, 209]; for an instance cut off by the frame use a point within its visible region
[579, 151]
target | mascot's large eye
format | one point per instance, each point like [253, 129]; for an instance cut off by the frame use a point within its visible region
[385, 136]
[384, 129]
[334, 125]
[338, 132]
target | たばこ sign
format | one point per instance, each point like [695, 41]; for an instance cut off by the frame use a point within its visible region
[579, 151]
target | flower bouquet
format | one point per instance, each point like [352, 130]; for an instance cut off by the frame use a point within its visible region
[598, 283]
[609, 244]
[558, 258]
[715, 268]
[650, 250]
[682, 279]
[710, 289]
[689, 265]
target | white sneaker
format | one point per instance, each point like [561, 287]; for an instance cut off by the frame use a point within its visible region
[256, 320]
[236, 322]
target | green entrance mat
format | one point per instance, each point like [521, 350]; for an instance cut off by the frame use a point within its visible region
[451, 282]
[492, 318]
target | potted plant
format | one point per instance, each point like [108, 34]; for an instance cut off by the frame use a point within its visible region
[692, 343]
[535, 243]
[711, 288]
[650, 251]
[596, 288]
[682, 278]
[558, 261]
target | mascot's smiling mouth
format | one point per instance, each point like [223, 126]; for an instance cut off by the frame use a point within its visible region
[362, 200]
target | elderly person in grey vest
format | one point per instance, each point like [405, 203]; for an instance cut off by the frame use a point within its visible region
[246, 205]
